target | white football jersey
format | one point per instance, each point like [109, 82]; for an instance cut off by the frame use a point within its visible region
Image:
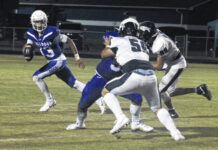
[127, 49]
[163, 46]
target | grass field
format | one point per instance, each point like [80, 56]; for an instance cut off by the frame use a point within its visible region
[23, 127]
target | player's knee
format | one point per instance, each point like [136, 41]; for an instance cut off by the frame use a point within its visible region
[104, 92]
[35, 78]
[165, 96]
[156, 108]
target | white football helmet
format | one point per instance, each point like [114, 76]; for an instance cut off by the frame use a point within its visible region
[39, 20]
[129, 26]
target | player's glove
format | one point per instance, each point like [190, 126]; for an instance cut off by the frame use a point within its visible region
[28, 52]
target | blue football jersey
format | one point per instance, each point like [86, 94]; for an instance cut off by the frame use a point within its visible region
[107, 70]
[49, 47]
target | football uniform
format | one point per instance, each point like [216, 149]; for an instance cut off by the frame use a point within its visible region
[139, 77]
[49, 44]
[105, 71]
[174, 61]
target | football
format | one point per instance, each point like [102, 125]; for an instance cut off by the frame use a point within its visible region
[28, 52]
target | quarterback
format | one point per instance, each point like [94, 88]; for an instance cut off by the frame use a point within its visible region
[47, 38]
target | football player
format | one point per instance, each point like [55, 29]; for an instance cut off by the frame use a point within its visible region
[139, 77]
[169, 55]
[47, 38]
[105, 71]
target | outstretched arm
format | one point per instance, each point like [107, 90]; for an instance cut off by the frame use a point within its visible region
[73, 47]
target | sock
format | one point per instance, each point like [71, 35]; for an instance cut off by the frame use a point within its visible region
[43, 87]
[135, 112]
[114, 105]
[183, 91]
[79, 85]
[166, 120]
[81, 116]
[167, 100]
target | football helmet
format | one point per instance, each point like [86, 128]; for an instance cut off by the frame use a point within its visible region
[147, 30]
[39, 20]
[128, 27]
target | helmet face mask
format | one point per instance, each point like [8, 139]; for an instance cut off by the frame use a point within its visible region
[128, 27]
[39, 20]
[147, 30]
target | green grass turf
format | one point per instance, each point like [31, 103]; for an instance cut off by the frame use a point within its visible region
[22, 126]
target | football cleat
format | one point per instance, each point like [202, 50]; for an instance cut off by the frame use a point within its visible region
[47, 105]
[173, 113]
[119, 125]
[176, 135]
[203, 90]
[139, 126]
[75, 126]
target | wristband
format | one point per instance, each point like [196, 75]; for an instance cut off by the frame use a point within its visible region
[76, 56]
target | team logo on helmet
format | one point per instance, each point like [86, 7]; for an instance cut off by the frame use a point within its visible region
[128, 27]
[147, 30]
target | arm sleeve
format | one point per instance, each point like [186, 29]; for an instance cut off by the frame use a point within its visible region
[29, 42]
[61, 38]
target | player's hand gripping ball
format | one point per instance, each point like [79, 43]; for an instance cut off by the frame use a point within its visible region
[28, 52]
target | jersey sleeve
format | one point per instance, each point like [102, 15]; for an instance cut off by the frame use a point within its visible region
[29, 42]
[58, 36]
[160, 47]
[62, 38]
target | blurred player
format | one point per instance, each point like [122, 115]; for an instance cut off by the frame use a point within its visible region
[105, 71]
[47, 38]
[170, 56]
[139, 77]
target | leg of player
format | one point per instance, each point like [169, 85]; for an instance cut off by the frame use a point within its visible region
[135, 110]
[151, 93]
[200, 90]
[167, 101]
[137, 124]
[166, 120]
[53, 67]
[50, 101]
[80, 120]
[66, 75]
[91, 92]
[114, 105]
[79, 85]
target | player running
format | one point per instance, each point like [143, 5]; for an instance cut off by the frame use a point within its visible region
[168, 54]
[47, 38]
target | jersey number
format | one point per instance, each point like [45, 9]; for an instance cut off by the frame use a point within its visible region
[49, 53]
[137, 45]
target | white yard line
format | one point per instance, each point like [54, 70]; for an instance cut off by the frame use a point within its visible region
[16, 105]
[59, 137]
